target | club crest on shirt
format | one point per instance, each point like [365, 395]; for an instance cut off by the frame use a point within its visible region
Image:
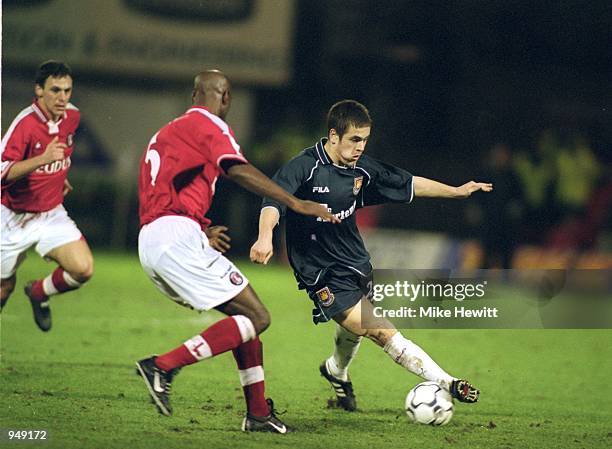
[326, 297]
[235, 278]
[357, 183]
[69, 140]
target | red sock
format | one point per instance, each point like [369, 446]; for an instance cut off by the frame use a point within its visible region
[37, 292]
[217, 339]
[57, 282]
[249, 357]
[62, 281]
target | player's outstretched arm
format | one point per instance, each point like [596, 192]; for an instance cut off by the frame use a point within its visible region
[429, 188]
[249, 177]
[262, 250]
[53, 152]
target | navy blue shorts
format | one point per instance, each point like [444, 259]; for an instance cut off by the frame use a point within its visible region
[337, 291]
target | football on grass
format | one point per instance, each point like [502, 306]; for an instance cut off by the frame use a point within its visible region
[429, 403]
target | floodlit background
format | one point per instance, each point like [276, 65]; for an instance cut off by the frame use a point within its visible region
[516, 93]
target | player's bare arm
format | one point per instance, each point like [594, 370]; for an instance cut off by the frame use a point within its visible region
[67, 187]
[424, 187]
[249, 177]
[217, 238]
[53, 152]
[262, 250]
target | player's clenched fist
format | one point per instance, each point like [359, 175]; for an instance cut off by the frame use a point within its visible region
[262, 251]
[54, 151]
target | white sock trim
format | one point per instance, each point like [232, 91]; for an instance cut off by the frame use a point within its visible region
[48, 286]
[246, 328]
[198, 348]
[70, 280]
[251, 376]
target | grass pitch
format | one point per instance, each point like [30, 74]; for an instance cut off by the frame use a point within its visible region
[540, 388]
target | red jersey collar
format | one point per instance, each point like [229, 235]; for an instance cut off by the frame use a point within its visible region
[42, 115]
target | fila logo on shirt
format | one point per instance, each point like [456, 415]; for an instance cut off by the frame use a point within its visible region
[323, 189]
[54, 167]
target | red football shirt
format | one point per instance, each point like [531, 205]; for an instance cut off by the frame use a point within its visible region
[180, 166]
[28, 136]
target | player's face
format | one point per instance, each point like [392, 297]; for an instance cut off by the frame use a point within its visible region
[352, 144]
[54, 96]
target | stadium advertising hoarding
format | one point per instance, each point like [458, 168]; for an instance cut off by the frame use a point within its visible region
[249, 39]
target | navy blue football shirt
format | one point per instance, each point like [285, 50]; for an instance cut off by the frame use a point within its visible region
[314, 245]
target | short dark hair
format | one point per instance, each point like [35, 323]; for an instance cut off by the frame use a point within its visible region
[345, 113]
[55, 69]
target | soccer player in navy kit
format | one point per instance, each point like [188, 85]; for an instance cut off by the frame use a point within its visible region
[331, 262]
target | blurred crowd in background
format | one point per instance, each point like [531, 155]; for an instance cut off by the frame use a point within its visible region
[514, 93]
[557, 194]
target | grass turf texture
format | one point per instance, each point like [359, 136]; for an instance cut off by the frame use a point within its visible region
[540, 388]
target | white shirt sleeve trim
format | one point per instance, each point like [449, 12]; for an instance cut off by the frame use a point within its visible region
[411, 190]
[23, 114]
[239, 157]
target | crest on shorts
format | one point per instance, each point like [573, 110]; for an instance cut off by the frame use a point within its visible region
[357, 183]
[235, 278]
[326, 297]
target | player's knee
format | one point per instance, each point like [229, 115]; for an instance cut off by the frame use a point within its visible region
[380, 336]
[83, 271]
[260, 319]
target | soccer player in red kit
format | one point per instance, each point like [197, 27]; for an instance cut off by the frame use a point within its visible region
[36, 152]
[178, 172]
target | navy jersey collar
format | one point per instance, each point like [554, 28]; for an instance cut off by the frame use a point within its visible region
[321, 153]
[324, 157]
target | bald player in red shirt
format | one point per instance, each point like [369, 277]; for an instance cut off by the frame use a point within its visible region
[36, 151]
[178, 173]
